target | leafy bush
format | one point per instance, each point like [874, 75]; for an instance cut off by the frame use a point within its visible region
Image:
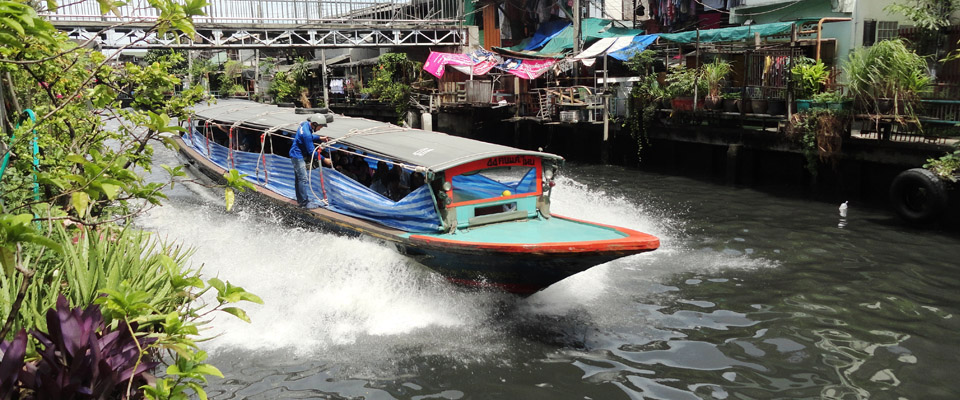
[731, 96]
[80, 357]
[714, 74]
[392, 79]
[683, 82]
[818, 131]
[230, 78]
[888, 70]
[832, 96]
[283, 88]
[946, 167]
[645, 97]
[809, 77]
[83, 165]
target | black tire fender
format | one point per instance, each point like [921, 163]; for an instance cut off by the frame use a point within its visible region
[918, 195]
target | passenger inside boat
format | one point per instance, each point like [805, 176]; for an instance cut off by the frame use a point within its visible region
[361, 170]
[416, 180]
[381, 179]
[399, 183]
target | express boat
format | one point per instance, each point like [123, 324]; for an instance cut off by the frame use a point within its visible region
[475, 212]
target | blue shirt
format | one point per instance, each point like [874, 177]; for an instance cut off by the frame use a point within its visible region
[302, 147]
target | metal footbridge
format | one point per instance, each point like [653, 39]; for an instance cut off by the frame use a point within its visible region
[253, 24]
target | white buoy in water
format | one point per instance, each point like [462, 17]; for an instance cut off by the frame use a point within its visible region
[843, 210]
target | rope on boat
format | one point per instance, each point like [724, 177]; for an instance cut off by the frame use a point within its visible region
[323, 189]
[263, 157]
[190, 127]
[230, 147]
[375, 130]
[206, 134]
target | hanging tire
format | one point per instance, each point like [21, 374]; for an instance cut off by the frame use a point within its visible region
[918, 195]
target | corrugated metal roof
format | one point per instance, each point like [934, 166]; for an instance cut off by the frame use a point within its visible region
[434, 150]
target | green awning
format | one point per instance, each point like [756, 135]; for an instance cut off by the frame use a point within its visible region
[732, 34]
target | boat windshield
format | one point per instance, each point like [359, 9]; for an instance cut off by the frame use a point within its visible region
[492, 183]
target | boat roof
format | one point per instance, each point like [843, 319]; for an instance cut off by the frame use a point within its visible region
[435, 151]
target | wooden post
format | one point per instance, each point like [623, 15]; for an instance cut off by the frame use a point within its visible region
[576, 39]
[256, 72]
[696, 77]
[605, 147]
[790, 62]
[323, 78]
[516, 96]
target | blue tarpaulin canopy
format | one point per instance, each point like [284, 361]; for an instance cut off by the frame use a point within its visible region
[547, 30]
[640, 43]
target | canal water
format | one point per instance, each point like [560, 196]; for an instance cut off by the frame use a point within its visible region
[752, 295]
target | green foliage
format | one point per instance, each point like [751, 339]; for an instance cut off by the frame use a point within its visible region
[888, 70]
[926, 14]
[230, 78]
[809, 77]
[392, 81]
[174, 16]
[235, 181]
[283, 88]
[684, 82]
[731, 96]
[714, 74]
[831, 96]
[16, 230]
[931, 16]
[91, 150]
[20, 26]
[645, 97]
[946, 167]
[301, 72]
[176, 59]
[818, 131]
[642, 63]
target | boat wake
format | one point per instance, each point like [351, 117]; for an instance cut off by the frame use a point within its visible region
[359, 304]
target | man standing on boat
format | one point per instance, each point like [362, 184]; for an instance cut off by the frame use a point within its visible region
[302, 151]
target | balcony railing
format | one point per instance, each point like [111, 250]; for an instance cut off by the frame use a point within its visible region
[281, 12]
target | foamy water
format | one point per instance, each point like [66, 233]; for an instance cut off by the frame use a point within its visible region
[360, 299]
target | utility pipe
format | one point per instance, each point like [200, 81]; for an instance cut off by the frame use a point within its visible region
[819, 29]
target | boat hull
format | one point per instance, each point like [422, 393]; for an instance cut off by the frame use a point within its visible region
[520, 268]
[518, 273]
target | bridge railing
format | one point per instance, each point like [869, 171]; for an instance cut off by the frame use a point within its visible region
[281, 12]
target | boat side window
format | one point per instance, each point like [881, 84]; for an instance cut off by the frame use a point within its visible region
[491, 183]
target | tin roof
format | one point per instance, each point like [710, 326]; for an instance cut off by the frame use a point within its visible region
[435, 151]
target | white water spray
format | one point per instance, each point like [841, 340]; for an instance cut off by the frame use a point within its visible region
[357, 301]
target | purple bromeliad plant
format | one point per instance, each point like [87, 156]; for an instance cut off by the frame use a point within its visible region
[80, 358]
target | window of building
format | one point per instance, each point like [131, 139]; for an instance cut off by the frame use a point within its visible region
[887, 30]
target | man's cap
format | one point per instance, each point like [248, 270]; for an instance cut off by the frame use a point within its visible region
[318, 119]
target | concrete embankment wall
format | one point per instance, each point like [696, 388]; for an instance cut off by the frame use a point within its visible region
[764, 160]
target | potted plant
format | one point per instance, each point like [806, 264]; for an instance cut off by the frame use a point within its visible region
[237, 91]
[682, 83]
[808, 77]
[730, 101]
[776, 106]
[713, 75]
[887, 78]
[833, 100]
[758, 105]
